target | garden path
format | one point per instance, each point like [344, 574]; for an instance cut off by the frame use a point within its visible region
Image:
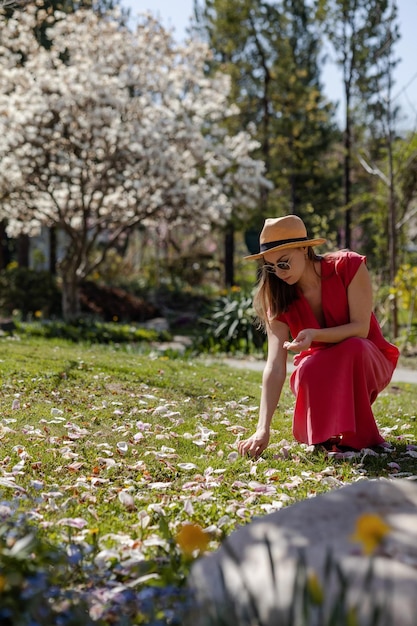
[401, 374]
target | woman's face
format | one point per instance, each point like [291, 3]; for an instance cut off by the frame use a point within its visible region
[288, 265]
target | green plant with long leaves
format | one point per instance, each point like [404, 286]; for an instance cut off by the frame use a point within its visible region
[35, 579]
[229, 325]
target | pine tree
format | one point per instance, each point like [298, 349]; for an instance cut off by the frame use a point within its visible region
[271, 52]
[355, 30]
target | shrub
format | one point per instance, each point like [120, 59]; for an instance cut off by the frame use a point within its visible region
[29, 291]
[229, 325]
[91, 331]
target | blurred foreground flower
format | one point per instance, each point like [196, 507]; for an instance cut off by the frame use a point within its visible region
[192, 537]
[314, 588]
[370, 531]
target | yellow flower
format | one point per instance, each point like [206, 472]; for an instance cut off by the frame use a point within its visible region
[352, 617]
[314, 588]
[192, 537]
[370, 531]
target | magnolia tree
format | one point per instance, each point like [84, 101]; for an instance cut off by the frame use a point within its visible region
[109, 129]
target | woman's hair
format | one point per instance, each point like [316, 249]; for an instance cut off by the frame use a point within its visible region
[273, 296]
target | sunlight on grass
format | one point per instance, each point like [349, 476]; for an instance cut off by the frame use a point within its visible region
[113, 455]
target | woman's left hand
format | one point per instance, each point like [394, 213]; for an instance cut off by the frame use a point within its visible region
[303, 341]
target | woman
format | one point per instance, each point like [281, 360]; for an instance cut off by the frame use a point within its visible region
[342, 361]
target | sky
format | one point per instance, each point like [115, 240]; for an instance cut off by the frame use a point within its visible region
[176, 14]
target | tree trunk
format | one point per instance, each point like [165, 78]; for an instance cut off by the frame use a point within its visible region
[393, 260]
[392, 234]
[229, 253]
[52, 250]
[4, 246]
[23, 246]
[70, 297]
[347, 173]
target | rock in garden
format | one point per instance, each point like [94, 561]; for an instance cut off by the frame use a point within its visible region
[349, 555]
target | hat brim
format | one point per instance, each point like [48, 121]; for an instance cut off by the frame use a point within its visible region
[285, 246]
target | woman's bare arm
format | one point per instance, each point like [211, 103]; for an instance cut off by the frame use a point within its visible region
[273, 379]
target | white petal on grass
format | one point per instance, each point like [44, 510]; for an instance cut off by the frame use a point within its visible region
[95, 480]
[157, 508]
[205, 433]
[261, 488]
[236, 428]
[122, 447]
[48, 495]
[272, 507]
[332, 481]
[188, 507]
[239, 484]
[67, 453]
[394, 466]
[270, 472]
[73, 522]
[369, 452]
[127, 500]
[155, 540]
[187, 466]
[5, 482]
[106, 556]
[160, 410]
[225, 519]
[107, 463]
[294, 482]
[37, 484]
[159, 486]
[18, 468]
[144, 519]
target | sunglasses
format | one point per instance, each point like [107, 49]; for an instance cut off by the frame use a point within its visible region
[280, 265]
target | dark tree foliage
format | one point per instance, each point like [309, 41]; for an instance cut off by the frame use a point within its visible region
[356, 30]
[271, 51]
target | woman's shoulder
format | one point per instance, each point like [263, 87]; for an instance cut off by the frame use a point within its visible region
[343, 263]
[344, 255]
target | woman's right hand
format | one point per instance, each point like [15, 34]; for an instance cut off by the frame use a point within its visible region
[255, 445]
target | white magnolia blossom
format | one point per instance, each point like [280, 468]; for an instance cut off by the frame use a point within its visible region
[111, 128]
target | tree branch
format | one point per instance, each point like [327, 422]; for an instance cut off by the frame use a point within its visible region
[375, 171]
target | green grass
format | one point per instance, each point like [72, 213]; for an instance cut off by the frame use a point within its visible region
[112, 451]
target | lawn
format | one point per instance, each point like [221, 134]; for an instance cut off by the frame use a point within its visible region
[108, 452]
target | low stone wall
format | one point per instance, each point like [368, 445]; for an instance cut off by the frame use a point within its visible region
[311, 547]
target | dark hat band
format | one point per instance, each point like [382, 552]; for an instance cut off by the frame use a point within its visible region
[273, 244]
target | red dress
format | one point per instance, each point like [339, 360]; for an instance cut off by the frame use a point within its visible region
[336, 384]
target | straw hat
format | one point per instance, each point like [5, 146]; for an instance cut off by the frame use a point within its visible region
[283, 232]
